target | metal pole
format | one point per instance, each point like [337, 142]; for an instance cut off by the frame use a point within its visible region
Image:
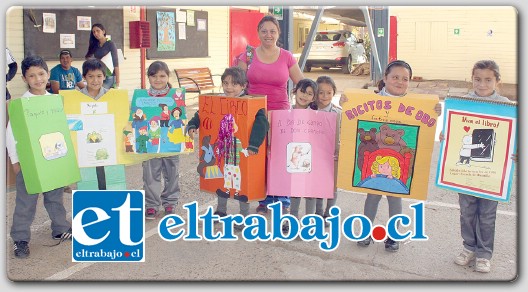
[310, 38]
[373, 46]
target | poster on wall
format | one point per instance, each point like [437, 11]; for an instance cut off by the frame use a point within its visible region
[480, 137]
[157, 123]
[301, 162]
[49, 21]
[225, 166]
[166, 29]
[386, 143]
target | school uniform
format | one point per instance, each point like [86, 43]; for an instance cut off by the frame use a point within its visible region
[477, 215]
[26, 204]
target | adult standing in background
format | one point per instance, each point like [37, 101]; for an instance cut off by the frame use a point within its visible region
[268, 69]
[99, 47]
[64, 76]
[13, 67]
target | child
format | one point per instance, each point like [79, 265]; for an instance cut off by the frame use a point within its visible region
[94, 74]
[153, 169]
[477, 215]
[234, 82]
[35, 74]
[395, 82]
[304, 92]
[326, 89]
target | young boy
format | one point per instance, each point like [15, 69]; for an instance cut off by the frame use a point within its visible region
[35, 74]
[94, 74]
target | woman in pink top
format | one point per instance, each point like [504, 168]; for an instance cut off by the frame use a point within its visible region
[271, 66]
[268, 72]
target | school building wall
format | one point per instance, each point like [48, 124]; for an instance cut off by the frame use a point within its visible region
[130, 70]
[427, 40]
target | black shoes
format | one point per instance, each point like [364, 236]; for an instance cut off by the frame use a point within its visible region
[21, 249]
[391, 245]
[63, 236]
[365, 242]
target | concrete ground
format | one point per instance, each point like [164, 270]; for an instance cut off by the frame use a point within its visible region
[430, 261]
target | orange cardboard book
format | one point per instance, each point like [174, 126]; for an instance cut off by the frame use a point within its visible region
[225, 167]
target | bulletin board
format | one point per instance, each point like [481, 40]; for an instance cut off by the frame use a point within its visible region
[47, 45]
[195, 44]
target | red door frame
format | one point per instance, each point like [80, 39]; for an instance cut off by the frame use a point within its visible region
[393, 39]
[242, 30]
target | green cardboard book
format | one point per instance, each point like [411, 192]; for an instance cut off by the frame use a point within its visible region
[44, 144]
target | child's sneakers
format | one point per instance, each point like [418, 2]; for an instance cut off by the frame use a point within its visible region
[63, 236]
[151, 214]
[21, 249]
[464, 257]
[391, 245]
[483, 265]
[169, 209]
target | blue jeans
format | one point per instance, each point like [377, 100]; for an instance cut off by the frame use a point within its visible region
[272, 199]
[109, 82]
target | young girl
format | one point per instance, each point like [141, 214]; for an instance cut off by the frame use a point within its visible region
[158, 75]
[395, 83]
[326, 89]
[304, 93]
[234, 82]
[477, 215]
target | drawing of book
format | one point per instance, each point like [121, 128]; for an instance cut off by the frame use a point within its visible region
[486, 137]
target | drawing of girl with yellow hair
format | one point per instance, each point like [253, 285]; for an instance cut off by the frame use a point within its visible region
[385, 176]
[386, 165]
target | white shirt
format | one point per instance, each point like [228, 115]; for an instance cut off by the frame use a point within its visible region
[10, 139]
[9, 57]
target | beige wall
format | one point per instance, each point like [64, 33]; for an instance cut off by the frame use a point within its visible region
[218, 60]
[426, 40]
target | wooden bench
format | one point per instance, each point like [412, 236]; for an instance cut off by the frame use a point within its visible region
[195, 79]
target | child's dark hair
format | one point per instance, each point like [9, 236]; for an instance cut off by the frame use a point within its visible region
[487, 64]
[237, 75]
[157, 66]
[303, 84]
[328, 80]
[395, 63]
[92, 65]
[33, 61]
[93, 43]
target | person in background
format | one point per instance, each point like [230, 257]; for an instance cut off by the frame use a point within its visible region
[269, 68]
[305, 91]
[11, 72]
[99, 47]
[64, 76]
[326, 89]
